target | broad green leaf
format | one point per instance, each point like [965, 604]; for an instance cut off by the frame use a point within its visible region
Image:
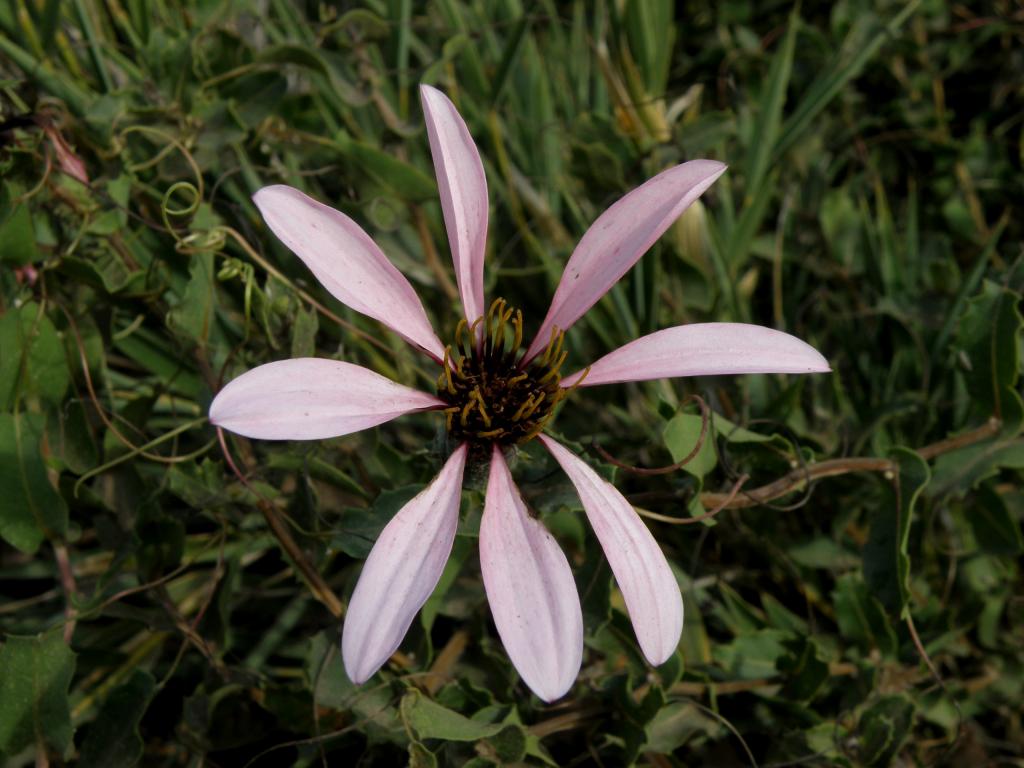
[886, 555]
[32, 358]
[883, 727]
[195, 313]
[30, 507]
[35, 673]
[861, 617]
[989, 336]
[995, 529]
[16, 231]
[753, 655]
[113, 740]
[681, 434]
[405, 181]
[429, 720]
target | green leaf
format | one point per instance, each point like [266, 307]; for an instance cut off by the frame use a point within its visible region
[861, 617]
[883, 728]
[360, 527]
[681, 434]
[651, 30]
[35, 673]
[304, 333]
[754, 655]
[989, 335]
[17, 233]
[773, 97]
[32, 359]
[849, 62]
[30, 507]
[429, 720]
[405, 181]
[113, 740]
[886, 556]
[194, 315]
[995, 529]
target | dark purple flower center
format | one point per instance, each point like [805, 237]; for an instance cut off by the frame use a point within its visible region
[492, 396]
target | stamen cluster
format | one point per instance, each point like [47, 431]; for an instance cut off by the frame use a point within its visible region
[493, 396]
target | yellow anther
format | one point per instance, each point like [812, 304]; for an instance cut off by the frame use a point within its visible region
[551, 344]
[446, 364]
[465, 411]
[554, 368]
[449, 416]
[487, 434]
[536, 405]
[526, 404]
[475, 394]
[516, 379]
[459, 330]
[517, 324]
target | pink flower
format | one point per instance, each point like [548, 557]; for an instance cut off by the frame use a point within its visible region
[492, 398]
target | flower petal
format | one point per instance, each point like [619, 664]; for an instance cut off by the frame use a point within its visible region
[619, 237]
[310, 398]
[402, 570]
[704, 349]
[463, 189]
[347, 263]
[641, 571]
[530, 589]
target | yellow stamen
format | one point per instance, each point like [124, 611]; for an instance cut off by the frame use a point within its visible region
[536, 405]
[446, 364]
[526, 404]
[480, 406]
[517, 324]
[554, 368]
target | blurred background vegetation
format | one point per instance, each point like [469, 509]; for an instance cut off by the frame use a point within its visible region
[157, 610]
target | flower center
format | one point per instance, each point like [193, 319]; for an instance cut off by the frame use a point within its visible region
[491, 395]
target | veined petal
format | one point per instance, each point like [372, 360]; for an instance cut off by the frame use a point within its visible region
[310, 398]
[347, 263]
[402, 570]
[641, 571]
[704, 349]
[619, 237]
[463, 189]
[530, 589]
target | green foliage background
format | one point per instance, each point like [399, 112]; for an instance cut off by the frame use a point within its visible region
[157, 610]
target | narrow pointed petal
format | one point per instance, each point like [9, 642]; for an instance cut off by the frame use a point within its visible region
[641, 571]
[704, 349]
[619, 237]
[530, 589]
[347, 263]
[402, 570]
[310, 398]
[463, 189]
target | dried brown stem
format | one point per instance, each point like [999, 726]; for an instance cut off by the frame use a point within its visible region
[799, 478]
[321, 591]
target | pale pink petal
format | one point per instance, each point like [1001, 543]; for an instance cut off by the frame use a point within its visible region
[310, 398]
[530, 589]
[641, 571]
[347, 263]
[402, 570]
[704, 349]
[617, 240]
[463, 190]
